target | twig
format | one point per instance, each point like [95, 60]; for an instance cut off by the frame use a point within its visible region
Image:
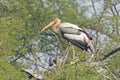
[21, 55]
[102, 74]
[106, 67]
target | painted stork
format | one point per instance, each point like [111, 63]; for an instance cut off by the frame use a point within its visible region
[71, 33]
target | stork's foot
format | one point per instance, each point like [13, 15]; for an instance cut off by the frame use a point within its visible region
[74, 61]
[88, 63]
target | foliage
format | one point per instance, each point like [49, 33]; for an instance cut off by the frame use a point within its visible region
[8, 71]
[21, 20]
[73, 72]
[11, 28]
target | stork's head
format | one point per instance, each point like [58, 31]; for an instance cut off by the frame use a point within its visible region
[55, 22]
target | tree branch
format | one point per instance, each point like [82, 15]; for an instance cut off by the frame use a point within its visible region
[111, 53]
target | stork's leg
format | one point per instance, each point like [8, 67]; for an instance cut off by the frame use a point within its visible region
[91, 57]
[66, 53]
[92, 51]
[65, 57]
[73, 53]
[73, 50]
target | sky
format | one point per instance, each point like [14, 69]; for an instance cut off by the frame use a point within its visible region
[99, 4]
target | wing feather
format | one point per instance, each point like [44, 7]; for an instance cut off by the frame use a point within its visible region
[75, 35]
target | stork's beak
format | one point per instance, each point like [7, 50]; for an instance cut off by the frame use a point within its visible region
[50, 24]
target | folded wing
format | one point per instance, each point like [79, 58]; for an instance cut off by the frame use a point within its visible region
[77, 37]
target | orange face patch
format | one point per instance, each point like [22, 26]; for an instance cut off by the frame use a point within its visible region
[55, 19]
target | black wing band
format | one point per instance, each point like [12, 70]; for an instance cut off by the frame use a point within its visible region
[79, 44]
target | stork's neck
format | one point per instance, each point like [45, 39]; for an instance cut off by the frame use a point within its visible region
[56, 26]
